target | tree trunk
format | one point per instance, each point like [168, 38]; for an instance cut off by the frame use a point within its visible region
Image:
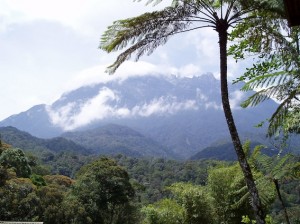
[221, 28]
[281, 201]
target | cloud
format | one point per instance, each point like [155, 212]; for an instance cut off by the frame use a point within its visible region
[74, 115]
[189, 70]
[213, 105]
[97, 74]
[235, 99]
[52, 45]
[105, 105]
[205, 101]
[163, 106]
[87, 17]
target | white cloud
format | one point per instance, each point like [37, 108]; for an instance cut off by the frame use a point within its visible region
[201, 95]
[206, 43]
[97, 74]
[75, 115]
[87, 17]
[235, 99]
[205, 101]
[213, 105]
[163, 106]
[48, 47]
[189, 70]
[69, 117]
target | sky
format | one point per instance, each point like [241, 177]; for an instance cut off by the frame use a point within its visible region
[50, 47]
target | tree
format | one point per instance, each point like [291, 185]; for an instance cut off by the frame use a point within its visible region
[165, 211]
[227, 187]
[52, 198]
[104, 191]
[190, 204]
[146, 32]
[18, 200]
[277, 170]
[275, 72]
[16, 159]
[196, 201]
[276, 75]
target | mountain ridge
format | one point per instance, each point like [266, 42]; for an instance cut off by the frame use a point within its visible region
[183, 115]
[105, 140]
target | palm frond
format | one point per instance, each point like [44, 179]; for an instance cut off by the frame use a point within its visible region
[148, 31]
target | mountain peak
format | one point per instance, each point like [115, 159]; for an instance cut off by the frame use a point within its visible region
[208, 76]
[182, 114]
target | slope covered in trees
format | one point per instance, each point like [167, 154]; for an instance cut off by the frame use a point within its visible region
[139, 190]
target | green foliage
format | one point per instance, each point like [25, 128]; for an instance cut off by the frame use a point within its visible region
[15, 158]
[247, 220]
[67, 163]
[165, 211]
[146, 32]
[190, 204]
[51, 208]
[18, 200]
[275, 73]
[227, 187]
[3, 175]
[24, 199]
[153, 175]
[37, 180]
[195, 200]
[104, 190]
[277, 170]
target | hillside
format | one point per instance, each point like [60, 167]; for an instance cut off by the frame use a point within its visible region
[24, 140]
[115, 139]
[225, 152]
[109, 139]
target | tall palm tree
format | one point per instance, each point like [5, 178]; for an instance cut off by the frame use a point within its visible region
[146, 32]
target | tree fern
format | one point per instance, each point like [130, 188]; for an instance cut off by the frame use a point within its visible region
[278, 169]
[143, 34]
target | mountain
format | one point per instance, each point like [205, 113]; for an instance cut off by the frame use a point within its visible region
[26, 141]
[109, 139]
[116, 139]
[183, 115]
[226, 152]
[35, 121]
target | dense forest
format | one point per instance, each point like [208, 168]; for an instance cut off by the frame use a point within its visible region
[76, 188]
[58, 181]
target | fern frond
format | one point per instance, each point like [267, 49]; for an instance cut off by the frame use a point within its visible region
[280, 114]
[264, 81]
[261, 96]
[150, 30]
[266, 192]
[156, 2]
[242, 200]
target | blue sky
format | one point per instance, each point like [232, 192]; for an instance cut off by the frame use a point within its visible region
[49, 47]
